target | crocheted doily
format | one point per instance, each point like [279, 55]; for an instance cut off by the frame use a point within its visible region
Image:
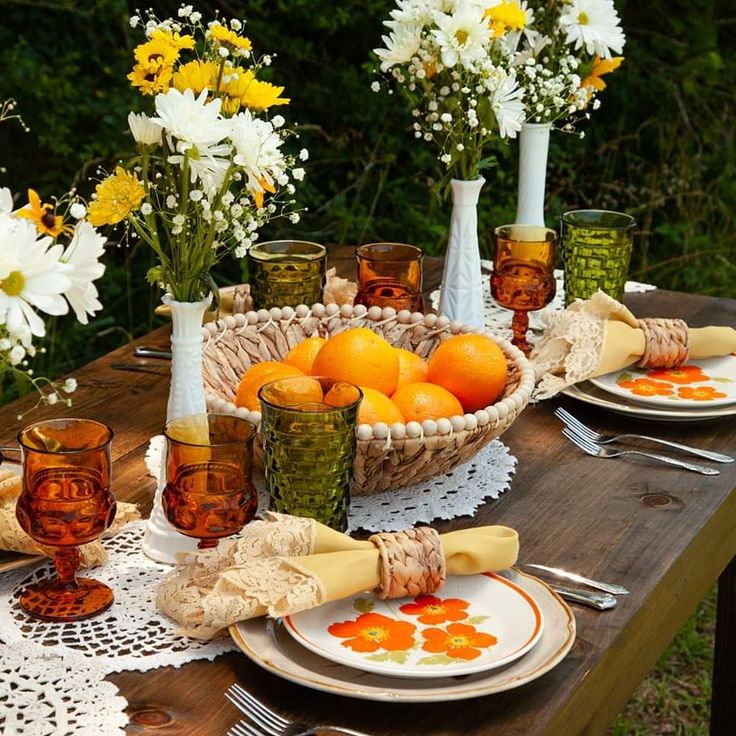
[131, 635]
[498, 319]
[458, 493]
[50, 695]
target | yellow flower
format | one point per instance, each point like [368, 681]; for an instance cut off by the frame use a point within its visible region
[260, 96]
[226, 37]
[196, 75]
[158, 51]
[505, 17]
[174, 40]
[600, 67]
[47, 223]
[115, 198]
[259, 194]
[151, 78]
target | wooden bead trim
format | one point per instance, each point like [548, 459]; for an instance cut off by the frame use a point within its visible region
[412, 562]
[666, 343]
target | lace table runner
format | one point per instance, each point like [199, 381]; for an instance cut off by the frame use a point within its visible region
[458, 493]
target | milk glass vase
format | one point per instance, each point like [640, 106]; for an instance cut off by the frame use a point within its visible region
[461, 294]
[533, 150]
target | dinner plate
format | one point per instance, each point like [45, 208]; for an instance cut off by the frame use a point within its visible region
[698, 384]
[476, 623]
[590, 394]
[267, 643]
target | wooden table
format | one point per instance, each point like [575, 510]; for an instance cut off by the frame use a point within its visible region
[666, 534]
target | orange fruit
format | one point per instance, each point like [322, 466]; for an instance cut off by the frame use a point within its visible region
[412, 367]
[256, 376]
[361, 357]
[294, 391]
[377, 407]
[341, 394]
[420, 401]
[472, 367]
[302, 356]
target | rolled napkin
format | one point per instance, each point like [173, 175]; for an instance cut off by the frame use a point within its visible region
[14, 539]
[288, 564]
[599, 335]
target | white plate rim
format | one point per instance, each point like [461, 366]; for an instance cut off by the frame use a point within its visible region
[368, 666]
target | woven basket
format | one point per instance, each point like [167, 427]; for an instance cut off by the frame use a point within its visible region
[386, 457]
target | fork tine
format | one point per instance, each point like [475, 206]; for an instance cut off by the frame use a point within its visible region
[241, 728]
[274, 718]
[581, 442]
[575, 424]
[257, 713]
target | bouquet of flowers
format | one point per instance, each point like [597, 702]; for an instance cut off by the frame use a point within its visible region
[210, 168]
[454, 61]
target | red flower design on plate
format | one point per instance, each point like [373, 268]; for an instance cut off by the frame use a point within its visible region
[433, 610]
[683, 374]
[700, 393]
[372, 631]
[458, 641]
[647, 387]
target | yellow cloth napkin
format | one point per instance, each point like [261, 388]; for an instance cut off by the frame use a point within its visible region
[288, 564]
[599, 335]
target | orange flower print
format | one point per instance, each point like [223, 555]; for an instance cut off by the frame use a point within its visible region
[372, 631]
[700, 393]
[683, 374]
[433, 610]
[458, 641]
[647, 387]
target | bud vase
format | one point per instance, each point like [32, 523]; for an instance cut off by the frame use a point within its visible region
[461, 294]
[162, 542]
[533, 149]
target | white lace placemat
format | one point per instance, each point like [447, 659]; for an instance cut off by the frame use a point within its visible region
[50, 695]
[498, 319]
[458, 493]
[131, 635]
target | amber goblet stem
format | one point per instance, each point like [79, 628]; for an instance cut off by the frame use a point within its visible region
[207, 543]
[520, 325]
[66, 562]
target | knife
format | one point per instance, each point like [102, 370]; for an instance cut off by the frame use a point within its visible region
[599, 601]
[575, 578]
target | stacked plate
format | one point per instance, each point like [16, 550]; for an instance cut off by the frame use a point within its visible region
[480, 634]
[698, 391]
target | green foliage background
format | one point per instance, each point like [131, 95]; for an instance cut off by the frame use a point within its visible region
[661, 147]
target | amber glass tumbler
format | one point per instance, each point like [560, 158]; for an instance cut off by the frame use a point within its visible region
[209, 492]
[66, 501]
[390, 275]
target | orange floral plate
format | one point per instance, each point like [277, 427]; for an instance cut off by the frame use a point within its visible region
[269, 645]
[699, 384]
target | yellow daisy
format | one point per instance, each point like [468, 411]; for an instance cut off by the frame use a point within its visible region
[505, 17]
[157, 51]
[196, 75]
[151, 78]
[47, 223]
[601, 67]
[174, 40]
[115, 198]
[226, 37]
[260, 96]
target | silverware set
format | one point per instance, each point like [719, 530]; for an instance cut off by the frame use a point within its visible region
[591, 442]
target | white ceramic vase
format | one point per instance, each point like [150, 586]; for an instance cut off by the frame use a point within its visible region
[533, 149]
[461, 294]
[161, 541]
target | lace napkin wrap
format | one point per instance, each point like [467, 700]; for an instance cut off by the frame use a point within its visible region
[14, 539]
[288, 564]
[599, 335]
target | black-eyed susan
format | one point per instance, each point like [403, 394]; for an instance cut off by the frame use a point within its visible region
[196, 76]
[115, 198]
[156, 52]
[228, 38]
[260, 96]
[42, 215]
[175, 40]
[152, 78]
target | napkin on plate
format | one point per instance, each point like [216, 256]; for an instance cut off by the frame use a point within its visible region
[14, 539]
[599, 335]
[288, 564]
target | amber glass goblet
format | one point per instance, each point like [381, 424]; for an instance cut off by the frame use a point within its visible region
[66, 501]
[390, 275]
[209, 493]
[523, 278]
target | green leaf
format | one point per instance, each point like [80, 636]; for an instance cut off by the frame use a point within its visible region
[623, 377]
[723, 380]
[363, 605]
[155, 275]
[436, 659]
[382, 657]
[399, 657]
[475, 620]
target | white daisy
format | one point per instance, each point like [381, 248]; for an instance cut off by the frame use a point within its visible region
[31, 275]
[417, 12]
[257, 150]
[508, 106]
[145, 131]
[82, 255]
[593, 24]
[401, 44]
[463, 35]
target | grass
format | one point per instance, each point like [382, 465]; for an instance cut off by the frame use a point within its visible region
[675, 696]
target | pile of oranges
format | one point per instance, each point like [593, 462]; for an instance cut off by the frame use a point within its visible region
[465, 373]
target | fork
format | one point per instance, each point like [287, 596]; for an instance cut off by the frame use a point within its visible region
[602, 439]
[591, 448]
[268, 723]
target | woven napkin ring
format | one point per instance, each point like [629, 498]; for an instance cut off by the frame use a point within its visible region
[412, 562]
[666, 343]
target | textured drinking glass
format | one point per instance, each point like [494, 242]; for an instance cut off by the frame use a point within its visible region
[209, 465]
[308, 446]
[286, 273]
[523, 277]
[390, 275]
[66, 501]
[596, 250]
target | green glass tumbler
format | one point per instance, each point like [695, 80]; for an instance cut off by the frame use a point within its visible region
[309, 444]
[596, 250]
[286, 273]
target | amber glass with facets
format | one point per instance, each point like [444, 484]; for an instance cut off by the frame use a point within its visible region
[209, 494]
[390, 275]
[66, 501]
